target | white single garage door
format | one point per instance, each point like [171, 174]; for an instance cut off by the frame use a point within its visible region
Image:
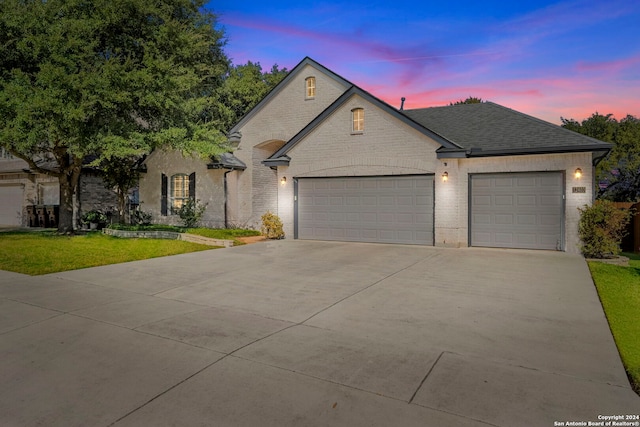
[517, 210]
[11, 205]
[385, 209]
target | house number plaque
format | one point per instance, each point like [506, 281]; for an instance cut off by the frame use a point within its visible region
[579, 190]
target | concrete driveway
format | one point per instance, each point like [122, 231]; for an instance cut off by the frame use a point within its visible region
[301, 333]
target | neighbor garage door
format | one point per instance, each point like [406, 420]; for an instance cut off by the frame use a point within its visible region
[11, 205]
[387, 209]
[517, 210]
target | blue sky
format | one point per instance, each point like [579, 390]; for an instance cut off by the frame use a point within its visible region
[545, 58]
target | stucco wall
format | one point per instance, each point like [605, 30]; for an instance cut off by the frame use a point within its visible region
[209, 186]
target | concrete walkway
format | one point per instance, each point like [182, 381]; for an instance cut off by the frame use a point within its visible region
[301, 333]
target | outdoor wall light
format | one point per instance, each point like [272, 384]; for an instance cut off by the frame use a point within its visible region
[283, 181]
[445, 177]
[578, 173]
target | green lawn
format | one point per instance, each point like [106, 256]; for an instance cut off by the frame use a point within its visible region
[619, 290]
[36, 253]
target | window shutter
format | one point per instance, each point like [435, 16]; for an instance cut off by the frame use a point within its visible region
[163, 202]
[192, 186]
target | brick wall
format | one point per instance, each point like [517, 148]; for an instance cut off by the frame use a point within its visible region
[389, 147]
[209, 186]
[93, 195]
[452, 197]
[386, 147]
[255, 189]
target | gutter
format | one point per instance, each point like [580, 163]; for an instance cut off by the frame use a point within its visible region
[478, 152]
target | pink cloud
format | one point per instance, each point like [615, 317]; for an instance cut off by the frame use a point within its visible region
[613, 66]
[514, 64]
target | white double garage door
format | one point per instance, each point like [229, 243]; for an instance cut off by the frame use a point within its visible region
[519, 210]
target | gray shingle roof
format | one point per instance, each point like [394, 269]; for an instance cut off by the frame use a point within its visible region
[279, 156]
[226, 161]
[489, 129]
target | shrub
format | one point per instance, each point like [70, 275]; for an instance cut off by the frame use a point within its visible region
[141, 218]
[191, 212]
[94, 216]
[272, 226]
[602, 227]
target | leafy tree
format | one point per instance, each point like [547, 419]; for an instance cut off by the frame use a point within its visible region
[106, 79]
[121, 174]
[469, 100]
[244, 87]
[620, 170]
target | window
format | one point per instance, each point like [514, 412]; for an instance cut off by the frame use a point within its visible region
[4, 154]
[176, 191]
[179, 191]
[358, 119]
[310, 84]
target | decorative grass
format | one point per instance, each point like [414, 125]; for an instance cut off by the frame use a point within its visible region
[37, 253]
[619, 291]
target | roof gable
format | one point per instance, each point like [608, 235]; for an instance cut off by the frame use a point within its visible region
[280, 86]
[356, 91]
[489, 129]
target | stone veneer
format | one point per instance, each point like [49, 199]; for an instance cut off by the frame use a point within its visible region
[169, 235]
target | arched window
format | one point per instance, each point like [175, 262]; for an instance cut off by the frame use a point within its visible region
[176, 190]
[310, 85]
[179, 191]
[357, 115]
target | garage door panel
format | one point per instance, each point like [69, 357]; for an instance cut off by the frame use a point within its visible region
[526, 239]
[504, 200]
[527, 201]
[504, 219]
[535, 219]
[550, 220]
[526, 182]
[503, 182]
[396, 209]
[337, 232]
[481, 219]
[11, 205]
[550, 200]
[480, 201]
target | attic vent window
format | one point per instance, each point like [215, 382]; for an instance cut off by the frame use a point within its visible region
[357, 115]
[310, 85]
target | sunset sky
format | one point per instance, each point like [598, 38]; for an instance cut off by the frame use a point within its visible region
[544, 58]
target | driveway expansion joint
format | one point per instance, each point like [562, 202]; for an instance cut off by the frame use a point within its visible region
[425, 377]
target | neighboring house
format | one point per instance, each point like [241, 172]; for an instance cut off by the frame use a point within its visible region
[29, 198]
[336, 163]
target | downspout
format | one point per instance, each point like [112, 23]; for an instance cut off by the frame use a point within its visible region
[226, 218]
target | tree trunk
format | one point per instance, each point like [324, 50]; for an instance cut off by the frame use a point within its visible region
[122, 205]
[68, 188]
[65, 222]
